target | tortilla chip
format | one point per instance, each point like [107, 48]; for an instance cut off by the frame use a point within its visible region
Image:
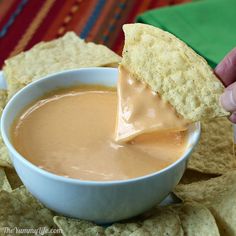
[123, 229]
[14, 213]
[174, 70]
[215, 151]
[163, 222]
[219, 195]
[5, 160]
[186, 219]
[67, 52]
[3, 99]
[4, 184]
[196, 219]
[191, 176]
[13, 178]
[77, 227]
[27, 198]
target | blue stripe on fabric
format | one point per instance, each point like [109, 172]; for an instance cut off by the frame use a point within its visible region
[92, 19]
[12, 18]
[105, 38]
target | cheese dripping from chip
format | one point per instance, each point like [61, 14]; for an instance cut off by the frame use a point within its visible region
[140, 110]
[173, 70]
[185, 87]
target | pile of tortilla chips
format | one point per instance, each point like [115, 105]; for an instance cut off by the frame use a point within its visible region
[208, 188]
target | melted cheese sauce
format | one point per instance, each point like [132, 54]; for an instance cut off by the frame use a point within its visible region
[71, 133]
[140, 110]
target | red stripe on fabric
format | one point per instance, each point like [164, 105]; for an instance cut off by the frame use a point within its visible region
[127, 17]
[156, 3]
[175, 2]
[45, 32]
[55, 19]
[118, 44]
[4, 8]
[63, 9]
[4, 18]
[111, 22]
[105, 22]
[163, 3]
[8, 42]
[81, 17]
[137, 9]
[102, 17]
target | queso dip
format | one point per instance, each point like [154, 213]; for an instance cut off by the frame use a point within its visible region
[70, 133]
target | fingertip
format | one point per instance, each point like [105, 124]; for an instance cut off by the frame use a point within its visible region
[228, 98]
[226, 101]
[232, 118]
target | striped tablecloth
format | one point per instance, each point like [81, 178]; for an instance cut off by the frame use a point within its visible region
[24, 23]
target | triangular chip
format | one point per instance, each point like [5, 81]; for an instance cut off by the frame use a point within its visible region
[16, 214]
[3, 99]
[13, 178]
[67, 52]
[70, 227]
[191, 176]
[174, 70]
[4, 184]
[5, 160]
[26, 197]
[214, 153]
[163, 221]
[218, 195]
[196, 219]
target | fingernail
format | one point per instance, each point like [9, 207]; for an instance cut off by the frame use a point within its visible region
[227, 100]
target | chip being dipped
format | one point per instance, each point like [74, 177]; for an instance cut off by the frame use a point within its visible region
[187, 89]
[141, 110]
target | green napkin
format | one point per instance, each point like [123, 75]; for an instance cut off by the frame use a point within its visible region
[208, 26]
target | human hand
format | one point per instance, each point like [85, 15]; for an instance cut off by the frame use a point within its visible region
[226, 71]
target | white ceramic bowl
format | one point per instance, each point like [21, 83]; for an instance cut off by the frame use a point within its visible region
[102, 202]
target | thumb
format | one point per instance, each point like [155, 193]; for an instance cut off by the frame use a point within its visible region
[228, 98]
[226, 70]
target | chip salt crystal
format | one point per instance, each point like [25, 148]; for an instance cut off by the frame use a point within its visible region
[175, 71]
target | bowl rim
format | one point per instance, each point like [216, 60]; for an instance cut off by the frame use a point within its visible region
[16, 154]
